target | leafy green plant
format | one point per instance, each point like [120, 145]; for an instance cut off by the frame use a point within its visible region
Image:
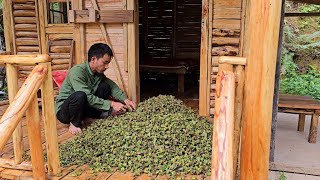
[282, 176]
[162, 137]
[297, 80]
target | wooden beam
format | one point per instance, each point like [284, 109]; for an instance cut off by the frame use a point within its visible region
[101, 16]
[17, 108]
[79, 36]
[50, 125]
[10, 164]
[125, 40]
[24, 59]
[34, 134]
[262, 42]
[42, 25]
[12, 81]
[232, 60]
[204, 65]
[222, 144]
[133, 52]
[301, 14]
[7, 25]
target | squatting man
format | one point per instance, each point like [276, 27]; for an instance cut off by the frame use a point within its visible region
[86, 91]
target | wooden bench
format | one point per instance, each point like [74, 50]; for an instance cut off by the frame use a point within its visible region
[302, 105]
[179, 67]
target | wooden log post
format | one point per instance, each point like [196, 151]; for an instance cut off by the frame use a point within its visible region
[17, 108]
[12, 81]
[239, 75]
[24, 59]
[34, 133]
[50, 125]
[314, 127]
[133, 53]
[222, 145]
[302, 119]
[261, 51]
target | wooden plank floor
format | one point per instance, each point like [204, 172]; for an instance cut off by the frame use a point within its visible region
[73, 172]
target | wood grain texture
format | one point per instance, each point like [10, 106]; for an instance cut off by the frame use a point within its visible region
[204, 66]
[12, 84]
[261, 52]
[14, 113]
[49, 118]
[133, 53]
[222, 144]
[34, 133]
[24, 59]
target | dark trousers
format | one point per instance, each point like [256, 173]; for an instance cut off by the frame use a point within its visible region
[75, 108]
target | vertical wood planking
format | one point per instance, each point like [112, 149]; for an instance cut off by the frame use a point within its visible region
[262, 39]
[133, 53]
[115, 62]
[7, 25]
[12, 81]
[34, 133]
[125, 40]
[42, 23]
[49, 118]
[79, 35]
[203, 96]
[222, 145]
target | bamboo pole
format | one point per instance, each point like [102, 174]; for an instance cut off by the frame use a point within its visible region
[17, 108]
[24, 59]
[115, 64]
[12, 81]
[261, 52]
[222, 143]
[34, 133]
[50, 126]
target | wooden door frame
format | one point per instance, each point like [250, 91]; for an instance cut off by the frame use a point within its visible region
[205, 58]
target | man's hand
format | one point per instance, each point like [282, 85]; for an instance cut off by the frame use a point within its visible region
[130, 104]
[118, 106]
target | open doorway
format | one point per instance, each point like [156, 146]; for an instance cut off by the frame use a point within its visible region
[169, 49]
[294, 145]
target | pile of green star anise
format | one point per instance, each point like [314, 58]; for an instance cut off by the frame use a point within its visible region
[162, 137]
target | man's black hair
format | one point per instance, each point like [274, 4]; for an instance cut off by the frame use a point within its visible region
[99, 50]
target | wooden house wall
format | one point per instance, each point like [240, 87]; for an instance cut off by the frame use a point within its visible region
[226, 27]
[117, 34]
[25, 30]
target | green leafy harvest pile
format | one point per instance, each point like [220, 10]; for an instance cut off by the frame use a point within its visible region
[162, 137]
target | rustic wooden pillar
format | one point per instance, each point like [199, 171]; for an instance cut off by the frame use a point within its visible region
[34, 133]
[50, 126]
[222, 143]
[79, 35]
[314, 127]
[302, 119]
[262, 41]
[204, 93]
[12, 81]
[7, 25]
[42, 25]
[133, 53]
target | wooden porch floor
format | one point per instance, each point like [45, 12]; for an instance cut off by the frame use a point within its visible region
[73, 172]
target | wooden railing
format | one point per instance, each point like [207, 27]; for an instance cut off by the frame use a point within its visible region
[25, 101]
[227, 117]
